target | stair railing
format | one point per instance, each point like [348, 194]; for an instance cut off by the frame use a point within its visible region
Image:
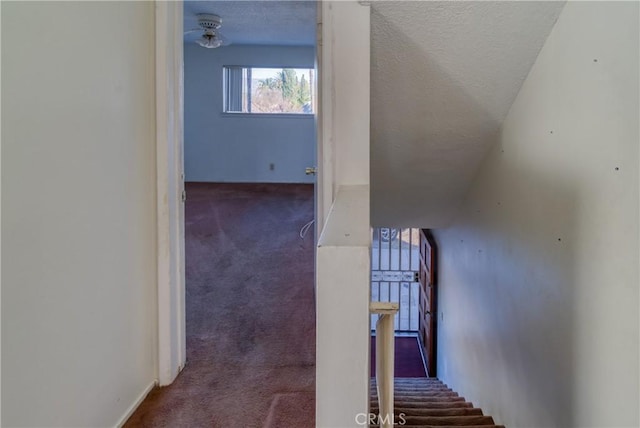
[385, 343]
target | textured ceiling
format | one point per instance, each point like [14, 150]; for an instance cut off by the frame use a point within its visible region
[443, 77]
[265, 22]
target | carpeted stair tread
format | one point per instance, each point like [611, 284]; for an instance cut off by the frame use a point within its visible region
[405, 389]
[407, 386]
[418, 391]
[422, 398]
[423, 386]
[449, 420]
[429, 404]
[417, 395]
[427, 401]
[417, 382]
[449, 411]
[435, 392]
[414, 381]
[447, 426]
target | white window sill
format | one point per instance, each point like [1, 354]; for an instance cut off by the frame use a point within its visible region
[271, 115]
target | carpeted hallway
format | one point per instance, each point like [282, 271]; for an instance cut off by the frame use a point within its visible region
[250, 312]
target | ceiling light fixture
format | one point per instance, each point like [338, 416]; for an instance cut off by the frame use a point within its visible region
[209, 41]
[209, 25]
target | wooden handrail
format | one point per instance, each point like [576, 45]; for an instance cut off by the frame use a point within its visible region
[385, 343]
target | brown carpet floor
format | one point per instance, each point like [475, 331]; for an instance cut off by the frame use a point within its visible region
[250, 312]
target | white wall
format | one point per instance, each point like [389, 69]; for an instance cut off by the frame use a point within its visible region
[539, 274]
[78, 220]
[239, 148]
[351, 87]
[342, 337]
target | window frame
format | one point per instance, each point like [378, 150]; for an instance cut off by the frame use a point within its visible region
[226, 113]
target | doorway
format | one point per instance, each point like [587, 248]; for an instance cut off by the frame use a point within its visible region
[249, 261]
[404, 270]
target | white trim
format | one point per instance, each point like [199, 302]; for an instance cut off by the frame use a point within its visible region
[269, 115]
[170, 184]
[325, 158]
[124, 418]
[0, 238]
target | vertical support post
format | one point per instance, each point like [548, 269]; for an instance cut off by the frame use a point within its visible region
[385, 345]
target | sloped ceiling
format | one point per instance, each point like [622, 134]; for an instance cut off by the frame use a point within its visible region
[443, 77]
[264, 22]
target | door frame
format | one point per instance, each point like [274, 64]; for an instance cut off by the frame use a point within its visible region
[169, 46]
[324, 188]
[428, 314]
[171, 322]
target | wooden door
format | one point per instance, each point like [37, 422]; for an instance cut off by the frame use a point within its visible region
[428, 311]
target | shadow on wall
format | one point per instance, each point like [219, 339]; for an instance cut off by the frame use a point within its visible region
[507, 295]
[420, 139]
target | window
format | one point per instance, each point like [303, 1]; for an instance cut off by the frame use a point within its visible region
[269, 90]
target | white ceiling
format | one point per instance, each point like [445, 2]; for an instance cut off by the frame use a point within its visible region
[265, 22]
[443, 77]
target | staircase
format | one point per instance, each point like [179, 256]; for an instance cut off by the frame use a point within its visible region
[427, 402]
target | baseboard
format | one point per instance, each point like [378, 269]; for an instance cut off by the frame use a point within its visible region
[136, 404]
